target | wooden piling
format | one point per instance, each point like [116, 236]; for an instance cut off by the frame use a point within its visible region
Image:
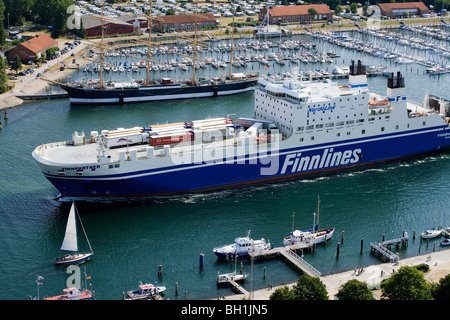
[337, 250]
[342, 237]
[362, 240]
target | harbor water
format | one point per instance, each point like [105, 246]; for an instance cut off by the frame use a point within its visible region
[132, 240]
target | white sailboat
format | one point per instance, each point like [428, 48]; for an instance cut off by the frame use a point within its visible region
[227, 277]
[70, 242]
[309, 236]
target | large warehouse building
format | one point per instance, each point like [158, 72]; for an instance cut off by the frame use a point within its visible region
[403, 9]
[296, 14]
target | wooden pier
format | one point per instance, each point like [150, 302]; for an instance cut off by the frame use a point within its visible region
[289, 253]
[383, 249]
[238, 287]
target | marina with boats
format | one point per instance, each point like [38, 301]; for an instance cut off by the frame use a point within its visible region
[145, 226]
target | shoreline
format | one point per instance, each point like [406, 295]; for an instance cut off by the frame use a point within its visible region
[30, 84]
[439, 263]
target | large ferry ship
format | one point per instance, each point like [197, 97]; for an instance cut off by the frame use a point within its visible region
[299, 128]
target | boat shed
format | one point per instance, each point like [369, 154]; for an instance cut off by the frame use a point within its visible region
[403, 9]
[136, 21]
[32, 49]
[112, 25]
[183, 22]
[296, 14]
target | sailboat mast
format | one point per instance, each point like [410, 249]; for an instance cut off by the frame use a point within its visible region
[101, 53]
[232, 44]
[195, 44]
[149, 41]
[318, 204]
[293, 214]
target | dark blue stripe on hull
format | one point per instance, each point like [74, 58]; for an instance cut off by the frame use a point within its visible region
[223, 176]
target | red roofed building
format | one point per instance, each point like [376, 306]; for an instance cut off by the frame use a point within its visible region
[32, 49]
[296, 14]
[184, 22]
[402, 9]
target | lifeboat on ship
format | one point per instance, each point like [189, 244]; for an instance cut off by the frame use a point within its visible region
[379, 103]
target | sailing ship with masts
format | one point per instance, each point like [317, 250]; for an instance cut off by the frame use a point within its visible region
[315, 235]
[157, 90]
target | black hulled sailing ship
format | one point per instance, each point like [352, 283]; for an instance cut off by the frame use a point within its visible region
[156, 90]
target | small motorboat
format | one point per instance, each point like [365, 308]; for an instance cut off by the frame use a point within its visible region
[241, 247]
[431, 233]
[445, 242]
[145, 292]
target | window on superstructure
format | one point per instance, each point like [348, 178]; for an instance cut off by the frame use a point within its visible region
[382, 128]
[363, 131]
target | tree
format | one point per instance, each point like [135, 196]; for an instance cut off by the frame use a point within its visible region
[338, 10]
[310, 288]
[355, 290]
[406, 284]
[442, 290]
[312, 12]
[354, 8]
[2, 24]
[283, 293]
[170, 12]
[3, 85]
[16, 64]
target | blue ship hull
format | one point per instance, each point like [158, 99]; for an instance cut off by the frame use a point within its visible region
[285, 164]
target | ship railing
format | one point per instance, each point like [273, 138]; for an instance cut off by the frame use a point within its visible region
[56, 144]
